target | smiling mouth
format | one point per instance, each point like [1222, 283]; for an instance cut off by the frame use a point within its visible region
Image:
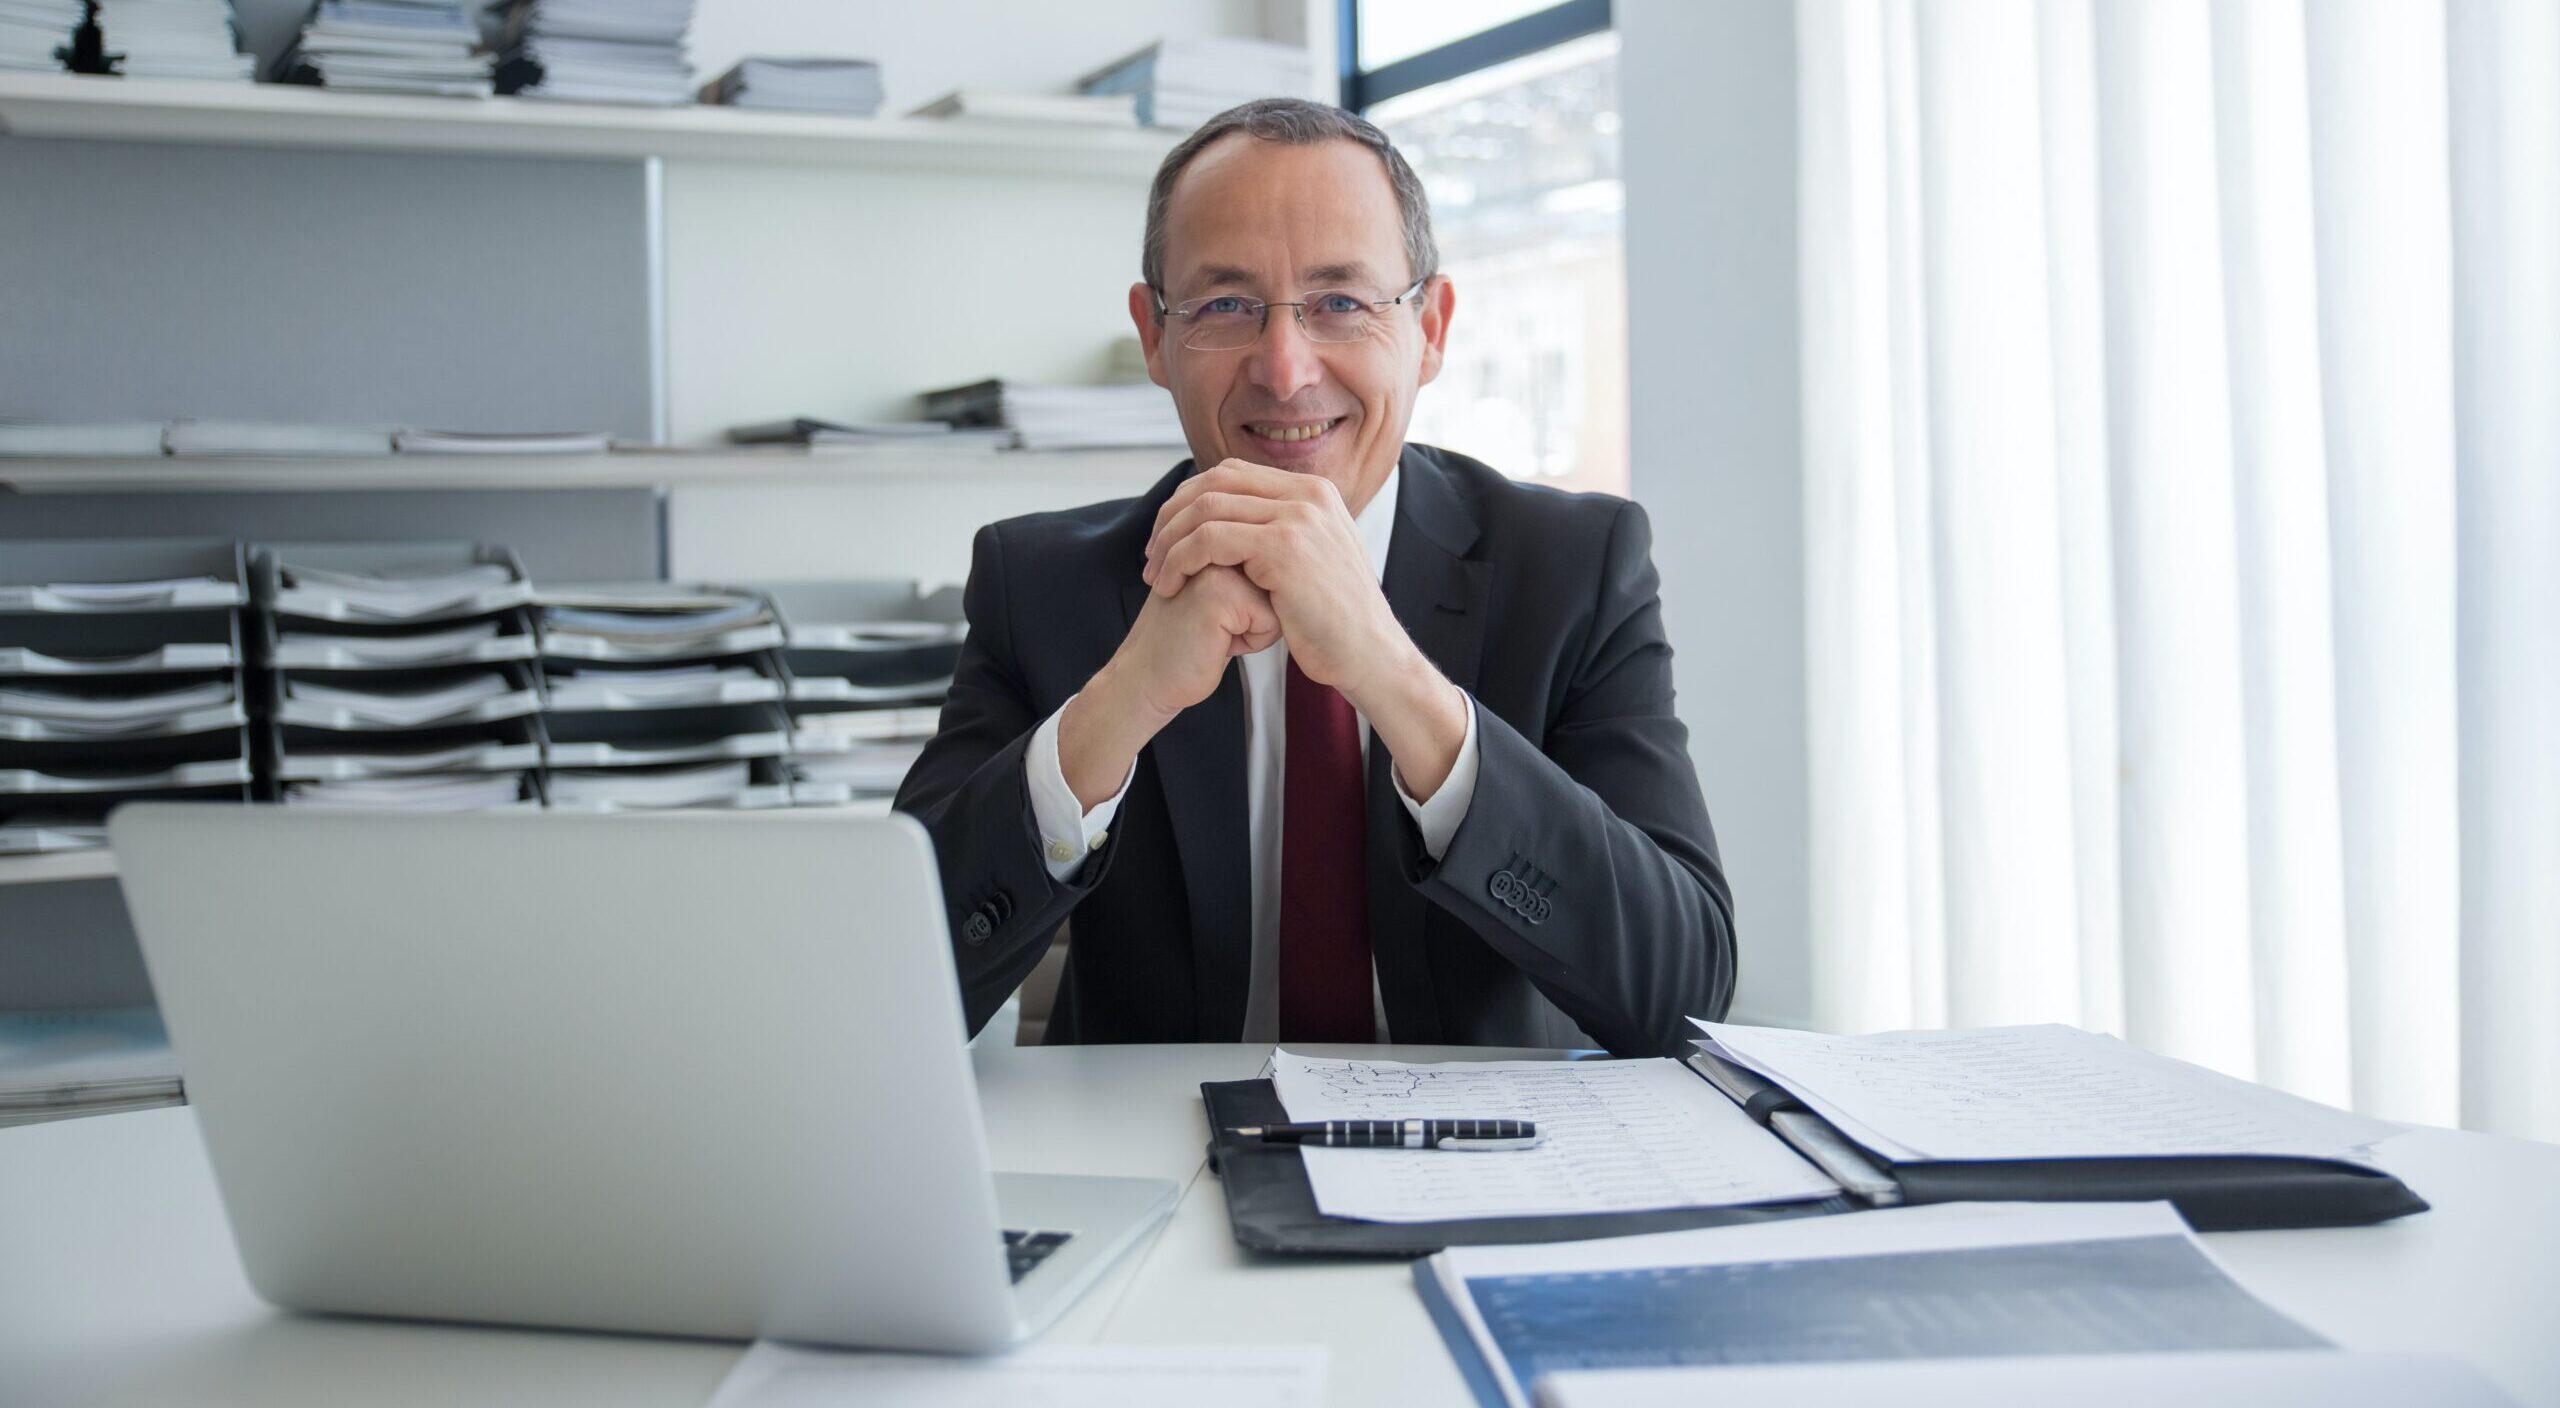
[1290, 432]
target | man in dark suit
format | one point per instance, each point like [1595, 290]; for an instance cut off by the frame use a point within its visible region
[1340, 738]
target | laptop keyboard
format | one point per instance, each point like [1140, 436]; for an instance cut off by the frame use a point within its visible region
[1025, 1250]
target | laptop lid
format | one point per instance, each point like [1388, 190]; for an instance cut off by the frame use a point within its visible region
[687, 1074]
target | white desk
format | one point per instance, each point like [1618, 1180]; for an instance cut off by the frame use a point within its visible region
[118, 1282]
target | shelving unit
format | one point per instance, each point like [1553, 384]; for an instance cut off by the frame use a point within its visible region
[624, 469]
[267, 114]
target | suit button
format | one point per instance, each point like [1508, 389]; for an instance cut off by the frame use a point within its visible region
[978, 929]
[1504, 886]
[999, 906]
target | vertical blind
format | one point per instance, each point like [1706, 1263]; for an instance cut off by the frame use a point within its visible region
[2182, 504]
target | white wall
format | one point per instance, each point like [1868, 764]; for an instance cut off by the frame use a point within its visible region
[1708, 95]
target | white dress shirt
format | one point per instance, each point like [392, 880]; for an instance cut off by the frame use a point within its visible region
[1068, 834]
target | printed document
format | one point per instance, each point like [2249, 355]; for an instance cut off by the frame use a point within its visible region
[2232, 1379]
[2042, 1092]
[1620, 1136]
[1042, 1376]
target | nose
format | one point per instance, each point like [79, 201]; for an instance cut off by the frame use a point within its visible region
[1284, 362]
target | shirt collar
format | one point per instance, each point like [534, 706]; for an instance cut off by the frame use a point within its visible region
[1377, 522]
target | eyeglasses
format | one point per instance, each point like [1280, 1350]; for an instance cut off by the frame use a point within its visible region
[1224, 322]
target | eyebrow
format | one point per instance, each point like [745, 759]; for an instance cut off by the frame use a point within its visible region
[1321, 276]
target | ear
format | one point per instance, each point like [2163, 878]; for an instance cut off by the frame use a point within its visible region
[1142, 311]
[1439, 304]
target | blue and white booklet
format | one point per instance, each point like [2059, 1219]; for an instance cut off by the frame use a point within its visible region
[1957, 1280]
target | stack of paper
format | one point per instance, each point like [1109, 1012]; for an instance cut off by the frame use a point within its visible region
[838, 731]
[526, 442]
[115, 708]
[434, 792]
[1068, 109]
[64, 439]
[2037, 1092]
[474, 697]
[35, 33]
[665, 687]
[41, 832]
[1185, 82]
[472, 642]
[174, 39]
[597, 51]
[391, 46]
[654, 621]
[392, 594]
[649, 789]
[847, 87]
[864, 769]
[81, 1063]
[807, 430]
[249, 439]
[156, 594]
[1065, 417]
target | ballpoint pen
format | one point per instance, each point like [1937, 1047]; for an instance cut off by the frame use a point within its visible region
[1452, 1134]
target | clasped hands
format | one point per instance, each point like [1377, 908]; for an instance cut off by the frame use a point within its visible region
[1243, 555]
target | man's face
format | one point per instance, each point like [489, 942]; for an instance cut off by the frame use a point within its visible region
[1273, 221]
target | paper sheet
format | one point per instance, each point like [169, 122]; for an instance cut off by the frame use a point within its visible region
[1043, 1376]
[1621, 1136]
[2036, 1092]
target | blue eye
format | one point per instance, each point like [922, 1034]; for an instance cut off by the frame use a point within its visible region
[1228, 307]
[1339, 303]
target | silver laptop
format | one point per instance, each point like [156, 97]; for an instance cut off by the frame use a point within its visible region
[695, 1075]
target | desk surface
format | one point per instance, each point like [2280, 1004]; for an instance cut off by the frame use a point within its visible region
[119, 1284]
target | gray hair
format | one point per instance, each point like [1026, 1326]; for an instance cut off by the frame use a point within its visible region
[1297, 122]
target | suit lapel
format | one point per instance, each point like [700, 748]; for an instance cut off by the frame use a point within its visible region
[1439, 597]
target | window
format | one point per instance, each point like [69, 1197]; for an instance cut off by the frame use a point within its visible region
[1514, 132]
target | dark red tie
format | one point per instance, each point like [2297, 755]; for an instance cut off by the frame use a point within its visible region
[1324, 884]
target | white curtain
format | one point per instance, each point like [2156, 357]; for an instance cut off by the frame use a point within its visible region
[2182, 504]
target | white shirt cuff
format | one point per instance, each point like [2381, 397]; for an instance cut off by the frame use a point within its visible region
[1069, 833]
[1439, 818]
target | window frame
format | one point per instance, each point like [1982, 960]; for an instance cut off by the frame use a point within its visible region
[1364, 88]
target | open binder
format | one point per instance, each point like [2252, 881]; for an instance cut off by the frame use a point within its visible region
[2276, 1178]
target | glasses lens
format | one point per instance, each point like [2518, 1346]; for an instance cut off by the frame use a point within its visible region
[1338, 317]
[1222, 324]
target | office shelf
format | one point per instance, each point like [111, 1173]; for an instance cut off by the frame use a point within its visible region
[620, 469]
[284, 115]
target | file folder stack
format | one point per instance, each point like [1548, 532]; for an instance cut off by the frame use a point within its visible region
[174, 39]
[400, 676]
[845, 87]
[663, 695]
[36, 34]
[597, 51]
[1182, 83]
[1135, 415]
[390, 46]
[119, 679]
[868, 665]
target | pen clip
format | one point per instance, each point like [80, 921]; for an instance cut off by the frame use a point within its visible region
[1487, 1146]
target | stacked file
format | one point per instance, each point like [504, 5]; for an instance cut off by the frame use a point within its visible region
[869, 664]
[400, 676]
[119, 679]
[36, 34]
[1182, 83]
[846, 87]
[662, 695]
[1137, 415]
[390, 46]
[174, 39]
[597, 51]
[1067, 109]
[54, 1064]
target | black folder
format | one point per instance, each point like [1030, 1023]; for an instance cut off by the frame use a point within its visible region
[1272, 1207]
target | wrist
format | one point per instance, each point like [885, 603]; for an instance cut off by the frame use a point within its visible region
[1101, 733]
[1422, 718]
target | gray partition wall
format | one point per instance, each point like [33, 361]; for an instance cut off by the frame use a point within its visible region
[149, 281]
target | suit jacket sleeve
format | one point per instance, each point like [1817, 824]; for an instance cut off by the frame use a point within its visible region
[1590, 863]
[969, 791]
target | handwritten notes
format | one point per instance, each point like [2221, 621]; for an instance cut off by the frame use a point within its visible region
[2040, 1092]
[1621, 1136]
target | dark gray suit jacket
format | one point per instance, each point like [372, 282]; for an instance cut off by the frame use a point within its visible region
[1580, 903]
